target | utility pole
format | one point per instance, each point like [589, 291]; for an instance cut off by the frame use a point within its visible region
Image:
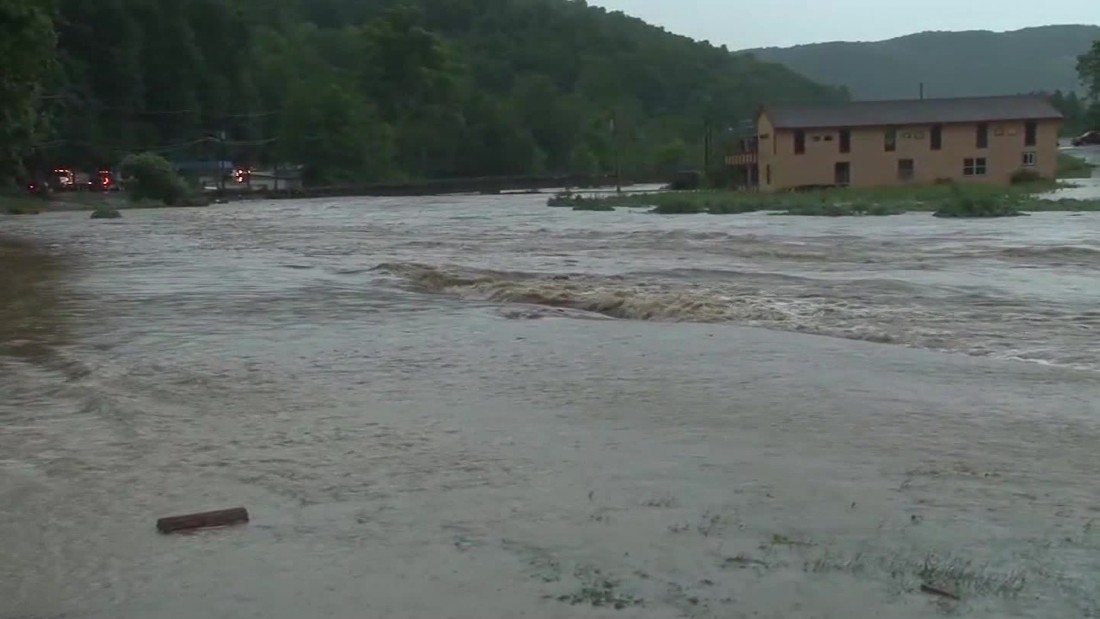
[221, 159]
[922, 91]
[615, 151]
[706, 146]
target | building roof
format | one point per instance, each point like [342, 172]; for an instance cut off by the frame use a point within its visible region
[911, 112]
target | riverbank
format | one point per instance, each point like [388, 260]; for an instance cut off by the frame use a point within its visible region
[72, 201]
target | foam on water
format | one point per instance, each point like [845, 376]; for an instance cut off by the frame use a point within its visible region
[891, 313]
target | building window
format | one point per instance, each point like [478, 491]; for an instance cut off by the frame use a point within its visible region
[937, 137]
[817, 138]
[768, 174]
[983, 135]
[906, 170]
[842, 173]
[1031, 133]
[799, 142]
[974, 167]
[1029, 159]
[828, 138]
[891, 140]
[845, 140]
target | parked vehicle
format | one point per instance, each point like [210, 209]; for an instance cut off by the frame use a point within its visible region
[1089, 138]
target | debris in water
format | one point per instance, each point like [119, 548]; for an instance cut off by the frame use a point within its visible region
[190, 522]
[930, 590]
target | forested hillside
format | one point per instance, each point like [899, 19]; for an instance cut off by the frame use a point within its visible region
[951, 64]
[361, 90]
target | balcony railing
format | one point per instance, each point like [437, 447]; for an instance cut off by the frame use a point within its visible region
[741, 159]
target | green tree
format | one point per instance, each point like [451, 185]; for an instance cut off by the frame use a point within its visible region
[495, 142]
[101, 79]
[27, 62]
[671, 157]
[405, 66]
[1088, 67]
[361, 90]
[335, 132]
[1092, 117]
[583, 161]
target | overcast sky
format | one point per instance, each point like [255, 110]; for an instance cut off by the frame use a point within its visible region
[743, 24]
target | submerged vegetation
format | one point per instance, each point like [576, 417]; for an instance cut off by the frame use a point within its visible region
[945, 200]
[106, 212]
[21, 205]
[593, 205]
[970, 204]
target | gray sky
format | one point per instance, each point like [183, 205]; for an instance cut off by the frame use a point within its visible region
[742, 24]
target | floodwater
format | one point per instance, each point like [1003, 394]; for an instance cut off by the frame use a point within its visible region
[479, 407]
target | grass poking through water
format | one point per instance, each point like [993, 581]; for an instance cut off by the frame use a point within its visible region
[1074, 167]
[21, 205]
[945, 200]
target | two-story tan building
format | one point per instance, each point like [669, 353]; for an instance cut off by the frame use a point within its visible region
[882, 143]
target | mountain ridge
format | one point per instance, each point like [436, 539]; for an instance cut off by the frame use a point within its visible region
[369, 90]
[949, 63]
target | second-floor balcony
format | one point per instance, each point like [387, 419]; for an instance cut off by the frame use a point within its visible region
[741, 159]
[746, 153]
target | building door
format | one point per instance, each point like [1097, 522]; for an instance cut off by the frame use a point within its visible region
[842, 173]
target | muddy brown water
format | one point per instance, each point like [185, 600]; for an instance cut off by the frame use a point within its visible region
[483, 407]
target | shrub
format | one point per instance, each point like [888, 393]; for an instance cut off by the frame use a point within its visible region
[151, 177]
[106, 212]
[963, 203]
[566, 199]
[732, 207]
[1024, 176]
[687, 180]
[853, 209]
[593, 205]
[680, 205]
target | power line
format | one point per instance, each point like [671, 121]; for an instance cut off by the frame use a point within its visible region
[163, 149]
[134, 113]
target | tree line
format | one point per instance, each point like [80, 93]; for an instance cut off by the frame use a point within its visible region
[1088, 113]
[368, 90]
[1081, 114]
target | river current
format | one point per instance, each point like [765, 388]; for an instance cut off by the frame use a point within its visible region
[479, 406]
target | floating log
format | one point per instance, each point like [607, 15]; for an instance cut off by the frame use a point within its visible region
[930, 590]
[190, 522]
